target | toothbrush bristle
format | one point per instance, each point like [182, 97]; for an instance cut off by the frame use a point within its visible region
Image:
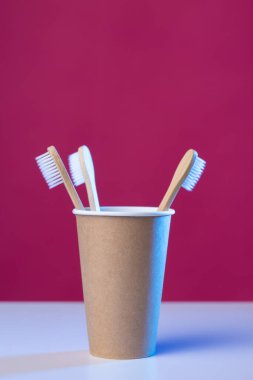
[49, 170]
[194, 174]
[75, 169]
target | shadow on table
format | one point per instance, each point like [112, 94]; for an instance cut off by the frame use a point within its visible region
[197, 341]
[38, 362]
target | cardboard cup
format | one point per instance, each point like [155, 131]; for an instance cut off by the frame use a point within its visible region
[123, 253]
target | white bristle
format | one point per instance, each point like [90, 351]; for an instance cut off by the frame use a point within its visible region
[49, 170]
[75, 169]
[194, 174]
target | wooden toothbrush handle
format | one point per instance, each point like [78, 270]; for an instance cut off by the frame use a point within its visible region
[168, 198]
[180, 175]
[66, 178]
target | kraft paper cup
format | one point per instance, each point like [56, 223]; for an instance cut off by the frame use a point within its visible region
[123, 253]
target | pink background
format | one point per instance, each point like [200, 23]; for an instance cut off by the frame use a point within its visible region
[139, 82]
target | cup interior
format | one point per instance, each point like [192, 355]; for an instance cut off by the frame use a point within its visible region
[124, 211]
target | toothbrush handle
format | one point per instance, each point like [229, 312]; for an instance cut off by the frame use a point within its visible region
[169, 197]
[66, 178]
[90, 183]
[179, 176]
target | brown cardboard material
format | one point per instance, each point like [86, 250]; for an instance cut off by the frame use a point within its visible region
[122, 264]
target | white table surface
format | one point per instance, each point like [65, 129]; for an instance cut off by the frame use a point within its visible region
[195, 341]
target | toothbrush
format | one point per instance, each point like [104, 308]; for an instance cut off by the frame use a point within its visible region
[186, 175]
[55, 173]
[82, 171]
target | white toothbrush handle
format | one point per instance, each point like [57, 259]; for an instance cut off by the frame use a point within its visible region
[89, 177]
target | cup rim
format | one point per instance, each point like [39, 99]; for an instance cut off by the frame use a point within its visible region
[135, 211]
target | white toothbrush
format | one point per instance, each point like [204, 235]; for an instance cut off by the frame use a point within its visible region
[55, 173]
[82, 171]
[186, 175]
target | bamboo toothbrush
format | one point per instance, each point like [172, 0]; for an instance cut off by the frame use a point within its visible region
[55, 173]
[82, 171]
[186, 175]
